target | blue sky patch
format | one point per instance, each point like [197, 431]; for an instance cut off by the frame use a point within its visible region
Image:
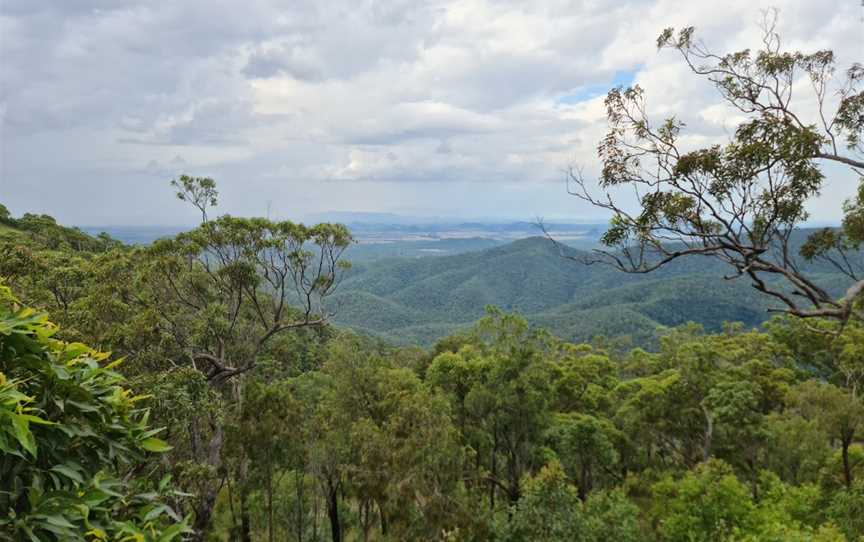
[581, 94]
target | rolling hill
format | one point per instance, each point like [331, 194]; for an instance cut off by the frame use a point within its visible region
[418, 300]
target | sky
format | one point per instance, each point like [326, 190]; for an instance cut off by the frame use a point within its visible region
[465, 108]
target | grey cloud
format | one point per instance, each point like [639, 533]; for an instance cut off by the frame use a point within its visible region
[296, 61]
[418, 120]
[216, 123]
[274, 98]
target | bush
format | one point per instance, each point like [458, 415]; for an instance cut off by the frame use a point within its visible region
[68, 430]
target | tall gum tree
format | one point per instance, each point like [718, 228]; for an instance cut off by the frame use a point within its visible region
[222, 292]
[740, 202]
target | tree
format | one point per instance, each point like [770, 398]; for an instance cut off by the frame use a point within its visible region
[741, 202]
[549, 510]
[220, 295]
[199, 191]
[847, 510]
[73, 439]
[707, 504]
[387, 440]
[264, 443]
[610, 515]
[503, 407]
[838, 413]
[799, 447]
[585, 445]
[225, 289]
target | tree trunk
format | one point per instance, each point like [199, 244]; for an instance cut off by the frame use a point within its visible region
[365, 520]
[333, 513]
[514, 489]
[494, 470]
[754, 477]
[207, 500]
[270, 504]
[314, 516]
[243, 486]
[847, 470]
[584, 482]
[245, 520]
[384, 522]
[709, 434]
[298, 487]
[203, 513]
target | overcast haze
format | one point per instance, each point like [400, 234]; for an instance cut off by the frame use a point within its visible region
[464, 108]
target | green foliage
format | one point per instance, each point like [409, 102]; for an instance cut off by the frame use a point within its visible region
[710, 503]
[837, 412]
[67, 424]
[43, 231]
[500, 385]
[283, 427]
[706, 504]
[551, 510]
[585, 444]
[846, 509]
[411, 300]
[388, 438]
[611, 515]
[199, 191]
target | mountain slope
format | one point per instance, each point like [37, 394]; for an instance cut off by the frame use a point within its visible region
[422, 299]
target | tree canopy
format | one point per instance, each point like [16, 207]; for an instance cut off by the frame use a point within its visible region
[740, 202]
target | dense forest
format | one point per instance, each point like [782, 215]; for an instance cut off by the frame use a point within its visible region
[196, 388]
[501, 432]
[420, 300]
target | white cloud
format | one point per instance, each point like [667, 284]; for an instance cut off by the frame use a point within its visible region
[432, 107]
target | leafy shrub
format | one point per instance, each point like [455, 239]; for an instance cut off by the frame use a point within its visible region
[68, 430]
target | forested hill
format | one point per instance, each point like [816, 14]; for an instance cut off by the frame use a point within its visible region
[418, 300]
[44, 230]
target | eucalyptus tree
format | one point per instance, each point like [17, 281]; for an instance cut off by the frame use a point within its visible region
[501, 384]
[200, 192]
[836, 411]
[263, 440]
[224, 290]
[740, 202]
[551, 511]
[221, 293]
[585, 445]
[384, 440]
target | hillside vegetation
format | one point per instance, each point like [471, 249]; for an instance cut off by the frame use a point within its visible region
[409, 300]
[280, 426]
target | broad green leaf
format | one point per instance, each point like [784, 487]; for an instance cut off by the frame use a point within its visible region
[68, 472]
[23, 434]
[153, 444]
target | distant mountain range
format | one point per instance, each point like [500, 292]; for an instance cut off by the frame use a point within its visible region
[365, 218]
[418, 300]
[385, 228]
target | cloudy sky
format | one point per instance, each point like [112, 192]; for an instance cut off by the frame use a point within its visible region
[468, 108]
